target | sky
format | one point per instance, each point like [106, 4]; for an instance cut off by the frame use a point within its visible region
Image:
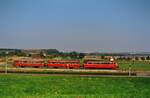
[76, 25]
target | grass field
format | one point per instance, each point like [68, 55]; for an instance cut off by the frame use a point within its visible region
[27, 86]
[135, 65]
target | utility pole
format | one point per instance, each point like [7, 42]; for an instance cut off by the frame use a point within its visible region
[129, 70]
[6, 62]
[130, 66]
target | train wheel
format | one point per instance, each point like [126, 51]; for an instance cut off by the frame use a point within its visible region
[22, 66]
[70, 67]
[56, 67]
[36, 66]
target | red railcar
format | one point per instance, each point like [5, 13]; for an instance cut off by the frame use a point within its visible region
[69, 64]
[100, 64]
[29, 63]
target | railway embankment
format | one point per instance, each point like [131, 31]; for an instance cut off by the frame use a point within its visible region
[71, 71]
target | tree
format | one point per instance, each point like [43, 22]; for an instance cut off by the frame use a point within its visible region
[19, 53]
[148, 58]
[81, 55]
[102, 57]
[142, 58]
[136, 58]
[128, 58]
[52, 51]
[74, 54]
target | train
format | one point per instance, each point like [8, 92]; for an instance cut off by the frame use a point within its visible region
[68, 64]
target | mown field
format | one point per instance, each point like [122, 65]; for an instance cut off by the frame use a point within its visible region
[34, 86]
[135, 65]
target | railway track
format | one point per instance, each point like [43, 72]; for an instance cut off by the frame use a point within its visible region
[73, 75]
[75, 72]
[67, 71]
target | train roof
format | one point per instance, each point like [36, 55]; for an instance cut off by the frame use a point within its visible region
[64, 61]
[38, 60]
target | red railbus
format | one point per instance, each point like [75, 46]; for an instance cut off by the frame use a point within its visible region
[69, 64]
[29, 63]
[100, 64]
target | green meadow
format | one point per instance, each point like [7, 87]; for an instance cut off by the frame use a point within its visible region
[135, 65]
[46, 86]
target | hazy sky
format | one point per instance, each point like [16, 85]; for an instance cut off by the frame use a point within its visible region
[80, 25]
